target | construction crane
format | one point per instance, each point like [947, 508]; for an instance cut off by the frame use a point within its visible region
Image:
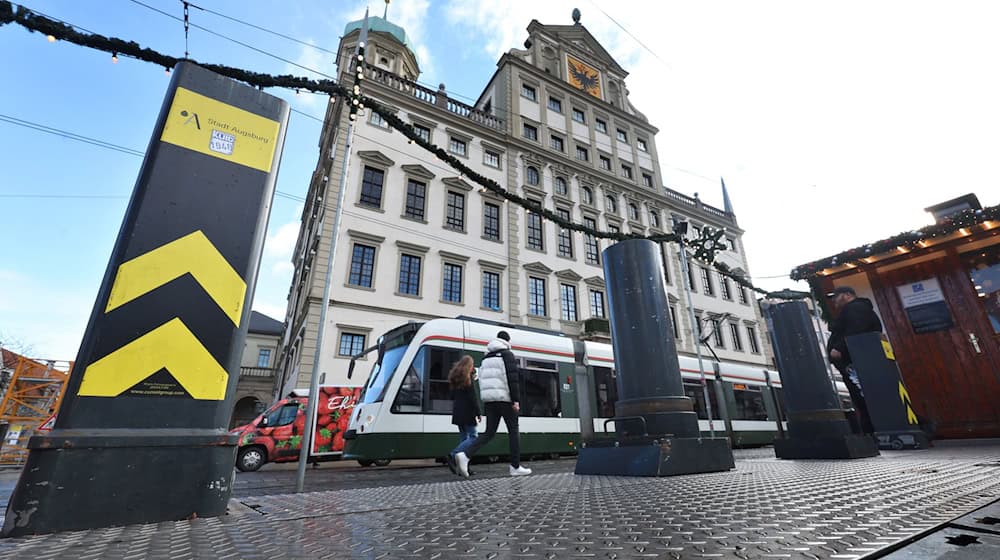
[32, 392]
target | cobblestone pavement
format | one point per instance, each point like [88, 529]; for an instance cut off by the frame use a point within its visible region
[765, 508]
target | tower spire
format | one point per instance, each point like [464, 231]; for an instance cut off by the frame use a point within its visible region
[385, 14]
[727, 204]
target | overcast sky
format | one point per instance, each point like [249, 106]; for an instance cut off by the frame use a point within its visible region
[833, 124]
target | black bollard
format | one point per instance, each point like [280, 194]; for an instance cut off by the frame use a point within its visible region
[656, 428]
[142, 433]
[889, 406]
[817, 425]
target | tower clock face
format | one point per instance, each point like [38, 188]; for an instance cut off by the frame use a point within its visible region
[581, 75]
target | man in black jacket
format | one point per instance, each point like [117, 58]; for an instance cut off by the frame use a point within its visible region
[856, 315]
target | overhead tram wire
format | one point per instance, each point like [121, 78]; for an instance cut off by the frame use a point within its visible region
[629, 33]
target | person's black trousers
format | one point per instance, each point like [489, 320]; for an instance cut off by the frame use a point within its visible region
[495, 411]
[860, 405]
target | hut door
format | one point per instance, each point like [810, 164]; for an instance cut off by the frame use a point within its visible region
[949, 356]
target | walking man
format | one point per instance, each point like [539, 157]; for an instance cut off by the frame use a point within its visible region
[855, 316]
[500, 388]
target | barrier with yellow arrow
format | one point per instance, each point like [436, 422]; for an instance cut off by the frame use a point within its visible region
[141, 435]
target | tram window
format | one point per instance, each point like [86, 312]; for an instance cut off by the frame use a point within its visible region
[749, 402]
[606, 390]
[694, 390]
[411, 391]
[438, 391]
[540, 389]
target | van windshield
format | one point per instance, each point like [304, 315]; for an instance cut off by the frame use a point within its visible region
[390, 352]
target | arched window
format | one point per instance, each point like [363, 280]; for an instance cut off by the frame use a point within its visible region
[610, 204]
[587, 195]
[633, 212]
[654, 218]
[531, 175]
[560, 185]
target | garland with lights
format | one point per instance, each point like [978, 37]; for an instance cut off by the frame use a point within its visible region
[705, 247]
[905, 241]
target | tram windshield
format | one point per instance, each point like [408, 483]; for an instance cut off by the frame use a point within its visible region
[391, 348]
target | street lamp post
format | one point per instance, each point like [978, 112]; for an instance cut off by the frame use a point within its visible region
[680, 228]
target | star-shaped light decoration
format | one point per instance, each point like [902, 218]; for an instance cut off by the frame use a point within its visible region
[710, 242]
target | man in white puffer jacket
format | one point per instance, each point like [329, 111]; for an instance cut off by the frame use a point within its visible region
[500, 388]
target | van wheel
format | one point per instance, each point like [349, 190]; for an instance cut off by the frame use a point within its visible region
[250, 459]
[366, 462]
[382, 462]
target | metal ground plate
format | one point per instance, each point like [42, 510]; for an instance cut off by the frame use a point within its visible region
[766, 508]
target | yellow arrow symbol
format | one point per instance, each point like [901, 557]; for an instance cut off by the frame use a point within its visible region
[171, 346]
[192, 253]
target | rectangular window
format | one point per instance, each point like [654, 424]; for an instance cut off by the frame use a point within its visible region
[529, 92]
[491, 221]
[567, 296]
[720, 341]
[626, 171]
[535, 232]
[351, 344]
[264, 357]
[457, 146]
[622, 135]
[376, 119]
[556, 143]
[732, 244]
[605, 163]
[530, 132]
[536, 296]
[423, 132]
[596, 303]
[455, 218]
[555, 104]
[409, 275]
[743, 294]
[612, 228]
[601, 125]
[565, 248]
[362, 266]
[371, 187]
[706, 281]
[752, 339]
[416, 198]
[491, 290]
[451, 287]
[734, 334]
[673, 322]
[591, 249]
[491, 159]
[690, 276]
[647, 180]
[727, 294]
[578, 116]
[641, 144]
[582, 154]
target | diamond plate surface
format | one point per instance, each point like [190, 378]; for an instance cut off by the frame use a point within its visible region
[765, 508]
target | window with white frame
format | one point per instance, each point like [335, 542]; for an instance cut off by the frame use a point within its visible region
[587, 195]
[734, 334]
[264, 358]
[377, 120]
[536, 234]
[582, 154]
[531, 176]
[591, 249]
[491, 159]
[654, 218]
[742, 293]
[455, 211]
[601, 125]
[557, 143]
[633, 211]
[626, 171]
[423, 132]
[529, 92]
[610, 204]
[416, 199]
[752, 339]
[555, 104]
[727, 294]
[706, 281]
[409, 274]
[605, 163]
[560, 186]
[718, 334]
[647, 180]
[491, 221]
[536, 296]
[641, 144]
[579, 116]
[530, 132]
[673, 321]
[567, 297]
[622, 135]
[458, 146]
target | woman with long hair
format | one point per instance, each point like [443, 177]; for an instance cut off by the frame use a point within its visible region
[465, 412]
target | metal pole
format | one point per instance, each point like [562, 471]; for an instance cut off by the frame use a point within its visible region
[822, 344]
[694, 329]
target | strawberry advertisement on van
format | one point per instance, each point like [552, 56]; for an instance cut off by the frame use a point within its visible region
[276, 435]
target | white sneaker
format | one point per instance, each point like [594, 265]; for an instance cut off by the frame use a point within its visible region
[519, 471]
[462, 464]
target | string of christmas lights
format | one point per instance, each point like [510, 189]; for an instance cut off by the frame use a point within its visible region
[704, 248]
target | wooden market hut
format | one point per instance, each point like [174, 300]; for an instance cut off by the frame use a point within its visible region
[937, 290]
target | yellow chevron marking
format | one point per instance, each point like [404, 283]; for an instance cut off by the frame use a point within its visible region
[911, 417]
[194, 254]
[171, 346]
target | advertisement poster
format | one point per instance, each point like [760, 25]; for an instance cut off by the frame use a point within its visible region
[925, 306]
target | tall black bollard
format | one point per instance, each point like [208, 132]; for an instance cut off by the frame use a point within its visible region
[656, 427]
[142, 433]
[817, 426]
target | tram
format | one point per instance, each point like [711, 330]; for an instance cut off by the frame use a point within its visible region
[404, 411]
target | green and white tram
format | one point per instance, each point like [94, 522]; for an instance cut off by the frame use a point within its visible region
[405, 408]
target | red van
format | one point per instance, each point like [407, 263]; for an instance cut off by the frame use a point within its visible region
[276, 435]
